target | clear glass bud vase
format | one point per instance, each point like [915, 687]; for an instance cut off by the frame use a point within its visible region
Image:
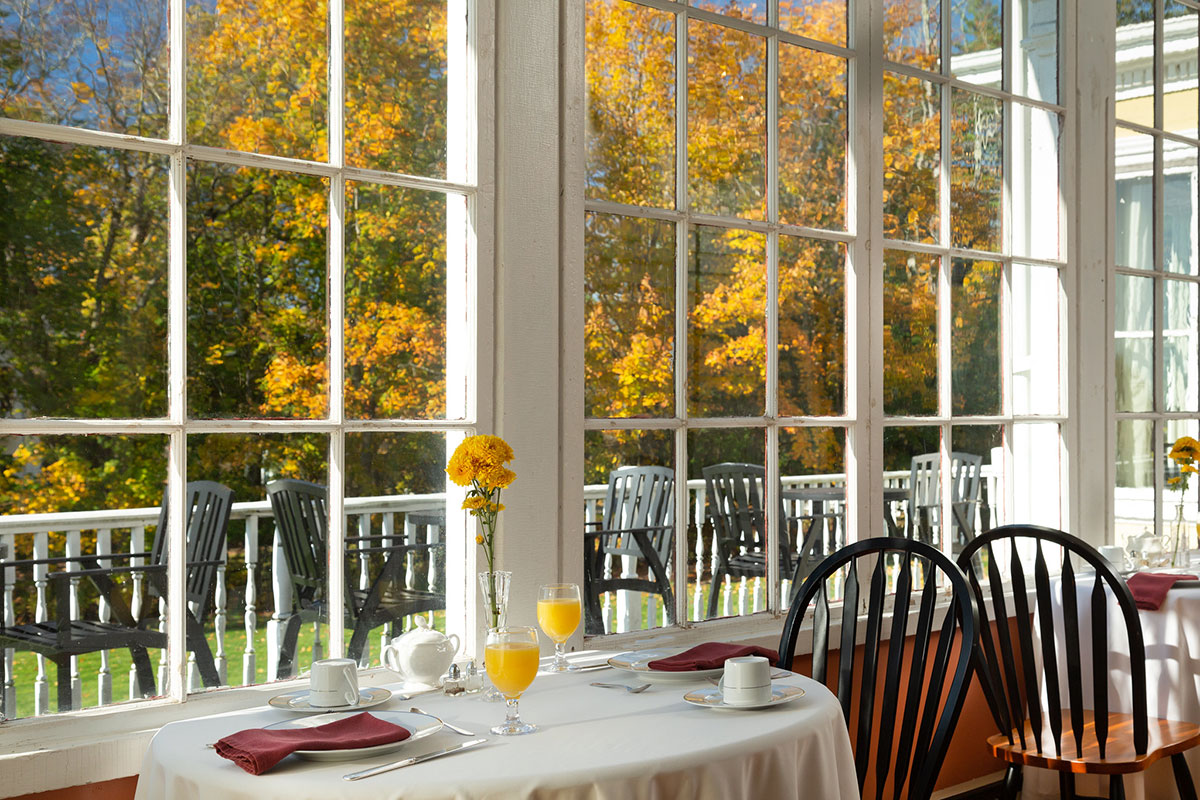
[493, 592]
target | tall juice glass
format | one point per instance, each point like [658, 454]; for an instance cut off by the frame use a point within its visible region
[511, 656]
[558, 612]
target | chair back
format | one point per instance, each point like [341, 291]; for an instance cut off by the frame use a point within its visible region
[736, 507]
[302, 524]
[916, 692]
[640, 497]
[1023, 681]
[924, 487]
[208, 506]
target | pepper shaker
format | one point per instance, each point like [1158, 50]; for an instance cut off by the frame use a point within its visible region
[452, 684]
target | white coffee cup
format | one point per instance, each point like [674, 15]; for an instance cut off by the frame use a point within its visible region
[333, 682]
[746, 681]
[1114, 554]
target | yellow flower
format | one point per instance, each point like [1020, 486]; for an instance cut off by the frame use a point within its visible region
[474, 502]
[1185, 449]
[1187, 468]
[479, 538]
[477, 456]
[495, 507]
[1173, 481]
[496, 477]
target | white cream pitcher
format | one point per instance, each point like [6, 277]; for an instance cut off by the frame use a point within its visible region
[422, 655]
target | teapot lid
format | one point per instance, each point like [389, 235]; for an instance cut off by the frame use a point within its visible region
[423, 634]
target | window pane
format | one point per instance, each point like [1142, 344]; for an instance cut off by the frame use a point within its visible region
[727, 287]
[1135, 343]
[901, 446]
[813, 130]
[1035, 339]
[631, 104]
[629, 317]
[258, 80]
[99, 65]
[910, 338]
[1181, 30]
[91, 477]
[1036, 73]
[1133, 500]
[1135, 199]
[395, 278]
[975, 326]
[726, 121]
[816, 19]
[751, 10]
[912, 33]
[977, 480]
[976, 171]
[976, 42]
[257, 338]
[1037, 475]
[640, 467]
[1135, 62]
[733, 458]
[396, 96]
[812, 470]
[83, 286]
[1179, 211]
[812, 327]
[911, 158]
[1036, 196]
[1181, 373]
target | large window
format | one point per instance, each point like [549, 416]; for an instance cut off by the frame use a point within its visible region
[235, 248]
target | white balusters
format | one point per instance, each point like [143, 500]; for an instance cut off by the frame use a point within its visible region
[137, 544]
[249, 666]
[73, 551]
[8, 692]
[364, 577]
[220, 618]
[104, 679]
[41, 687]
[281, 592]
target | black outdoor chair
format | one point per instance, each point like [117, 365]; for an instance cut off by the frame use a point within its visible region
[639, 521]
[925, 496]
[1036, 690]
[736, 509]
[907, 747]
[62, 638]
[302, 524]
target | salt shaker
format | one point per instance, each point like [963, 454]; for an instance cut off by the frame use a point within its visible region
[453, 683]
[473, 682]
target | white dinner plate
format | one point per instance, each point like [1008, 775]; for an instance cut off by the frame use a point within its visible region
[711, 698]
[298, 701]
[637, 662]
[419, 725]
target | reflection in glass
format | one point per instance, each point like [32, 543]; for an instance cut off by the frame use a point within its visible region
[1134, 199]
[1134, 343]
[912, 158]
[1181, 32]
[812, 324]
[910, 336]
[1135, 74]
[1134, 492]
[630, 104]
[1038, 489]
[900, 446]
[395, 279]
[912, 33]
[1172, 494]
[975, 336]
[256, 293]
[1181, 347]
[815, 19]
[629, 316]
[976, 40]
[727, 286]
[396, 96]
[812, 470]
[99, 64]
[976, 170]
[726, 121]
[812, 138]
[1179, 211]
[258, 77]
[978, 495]
[83, 286]
[1036, 72]
[1035, 193]
[1035, 334]
[750, 10]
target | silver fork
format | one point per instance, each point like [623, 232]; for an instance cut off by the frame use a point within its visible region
[641, 687]
[455, 728]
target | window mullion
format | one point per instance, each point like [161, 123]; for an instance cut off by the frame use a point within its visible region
[681, 319]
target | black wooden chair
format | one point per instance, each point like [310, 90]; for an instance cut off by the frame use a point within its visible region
[905, 746]
[302, 524]
[925, 496]
[736, 509]
[639, 521]
[1036, 689]
[63, 638]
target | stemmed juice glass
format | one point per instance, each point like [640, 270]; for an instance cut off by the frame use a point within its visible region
[511, 655]
[558, 612]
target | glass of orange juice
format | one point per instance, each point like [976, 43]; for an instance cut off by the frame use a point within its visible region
[511, 655]
[558, 612]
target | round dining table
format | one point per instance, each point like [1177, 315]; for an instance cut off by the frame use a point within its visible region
[591, 742]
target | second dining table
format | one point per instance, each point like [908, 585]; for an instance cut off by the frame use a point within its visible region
[591, 742]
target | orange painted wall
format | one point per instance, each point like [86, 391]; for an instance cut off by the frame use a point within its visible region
[120, 789]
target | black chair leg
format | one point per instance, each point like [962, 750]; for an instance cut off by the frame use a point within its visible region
[1066, 786]
[1012, 783]
[718, 584]
[66, 697]
[204, 657]
[287, 648]
[144, 671]
[1183, 777]
[1116, 787]
[358, 641]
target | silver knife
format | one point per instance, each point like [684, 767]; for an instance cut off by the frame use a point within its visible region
[405, 762]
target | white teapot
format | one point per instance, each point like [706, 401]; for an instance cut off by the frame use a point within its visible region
[422, 655]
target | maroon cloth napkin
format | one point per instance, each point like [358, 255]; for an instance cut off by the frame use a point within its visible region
[258, 749]
[1150, 589]
[710, 655]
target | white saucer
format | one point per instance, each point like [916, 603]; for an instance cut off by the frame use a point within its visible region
[637, 662]
[419, 725]
[298, 701]
[711, 698]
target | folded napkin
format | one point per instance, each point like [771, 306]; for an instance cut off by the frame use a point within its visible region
[710, 655]
[1150, 589]
[258, 749]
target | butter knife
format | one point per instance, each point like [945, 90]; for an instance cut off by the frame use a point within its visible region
[405, 762]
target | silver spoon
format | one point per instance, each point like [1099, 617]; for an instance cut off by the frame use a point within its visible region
[455, 728]
[641, 687]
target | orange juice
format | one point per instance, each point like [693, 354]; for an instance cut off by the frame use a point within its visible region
[559, 617]
[511, 666]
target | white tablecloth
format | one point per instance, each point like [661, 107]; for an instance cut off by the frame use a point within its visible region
[593, 743]
[1172, 636]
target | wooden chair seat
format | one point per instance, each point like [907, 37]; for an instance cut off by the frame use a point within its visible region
[1167, 737]
[80, 637]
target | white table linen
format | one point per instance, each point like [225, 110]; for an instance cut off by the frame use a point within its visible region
[592, 743]
[1172, 638]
